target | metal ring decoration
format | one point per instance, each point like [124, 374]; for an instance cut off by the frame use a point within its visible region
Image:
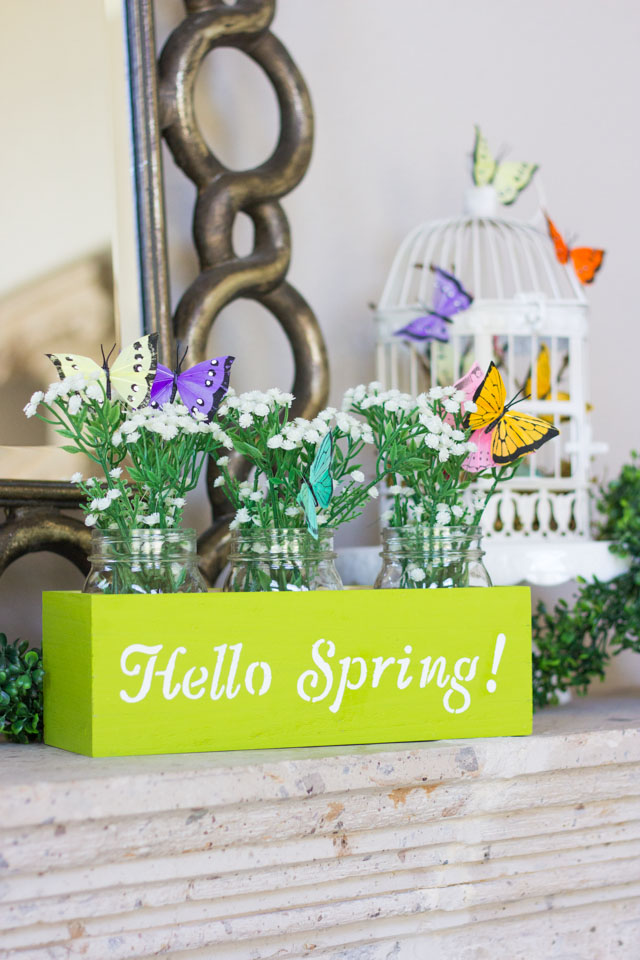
[223, 193]
[30, 529]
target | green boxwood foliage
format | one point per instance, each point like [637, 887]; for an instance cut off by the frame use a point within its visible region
[573, 645]
[21, 676]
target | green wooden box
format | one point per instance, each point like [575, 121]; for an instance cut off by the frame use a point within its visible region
[231, 671]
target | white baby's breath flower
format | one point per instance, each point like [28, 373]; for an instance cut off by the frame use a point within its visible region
[357, 475]
[243, 515]
[436, 393]
[274, 442]
[289, 445]
[386, 515]
[312, 436]
[373, 493]
[114, 494]
[256, 496]
[292, 511]
[417, 574]
[396, 490]
[327, 414]
[151, 519]
[218, 482]
[76, 477]
[222, 461]
[322, 519]
[470, 406]
[133, 437]
[90, 520]
[30, 410]
[115, 473]
[457, 511]
[451, 405]
[37, 397]
[432, 440]
[95, 392]
[245, 420]
[74, 404]
[116, 439]
[443, 455]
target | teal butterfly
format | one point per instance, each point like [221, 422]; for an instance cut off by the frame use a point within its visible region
[317, 489]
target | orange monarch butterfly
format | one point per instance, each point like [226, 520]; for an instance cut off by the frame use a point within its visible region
[586, 260]
[512, 434]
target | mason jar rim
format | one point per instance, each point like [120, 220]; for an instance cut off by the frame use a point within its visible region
[472, 531]
[144, 534]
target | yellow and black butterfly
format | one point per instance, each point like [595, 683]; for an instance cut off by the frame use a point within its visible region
[511, 434]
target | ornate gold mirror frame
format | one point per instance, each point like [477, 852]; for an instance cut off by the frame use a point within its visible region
[162, 105]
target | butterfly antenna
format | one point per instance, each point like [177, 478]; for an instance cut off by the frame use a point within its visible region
[518, 398]
[180, 359]
[108, 357]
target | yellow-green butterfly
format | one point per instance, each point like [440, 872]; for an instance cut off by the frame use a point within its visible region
[317, 488]
[130, 377]
[508, 178]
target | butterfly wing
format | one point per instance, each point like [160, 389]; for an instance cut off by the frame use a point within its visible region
[429, 327]
[134, 370]
[70, 364]
[490, 398]
[543, 375]
[586, 262]
[470, 382]
[308, 504]
[320, 476]
[481, 458]
[562, 250]
[449, 296]
[484, 166]
[203, 386]
[162, 388]
[511, 178]
[517, 434]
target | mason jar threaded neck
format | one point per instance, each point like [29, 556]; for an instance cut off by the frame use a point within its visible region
[421, 539]
[286, 542]
[144, 543]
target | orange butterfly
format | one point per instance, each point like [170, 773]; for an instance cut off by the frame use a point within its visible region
[586, 261]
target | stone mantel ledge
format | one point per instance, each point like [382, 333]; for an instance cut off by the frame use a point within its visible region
[519, 848]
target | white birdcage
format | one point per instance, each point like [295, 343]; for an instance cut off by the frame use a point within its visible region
[529, 315]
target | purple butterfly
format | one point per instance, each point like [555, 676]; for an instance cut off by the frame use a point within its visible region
[201, 387]
[449, 298]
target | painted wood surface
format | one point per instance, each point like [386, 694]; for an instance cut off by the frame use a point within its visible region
[503, 848]
[137, 674]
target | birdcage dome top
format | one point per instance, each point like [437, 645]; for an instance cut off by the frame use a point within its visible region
[496, 258]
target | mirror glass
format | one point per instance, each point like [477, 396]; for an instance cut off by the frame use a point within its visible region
[64, 187]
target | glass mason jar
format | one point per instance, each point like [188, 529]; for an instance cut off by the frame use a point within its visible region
[422, 556]
[282, 559]
[144, 561]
